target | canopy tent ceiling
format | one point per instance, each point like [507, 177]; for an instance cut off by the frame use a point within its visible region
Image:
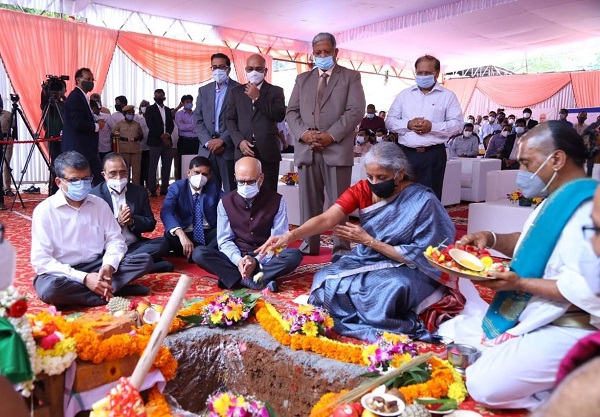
[461, 33]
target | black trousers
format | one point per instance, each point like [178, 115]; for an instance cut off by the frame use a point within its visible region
[428, 166]
[188, 146]
[210, 237]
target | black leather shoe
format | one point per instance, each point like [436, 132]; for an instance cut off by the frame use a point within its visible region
[133, 289]
[248, 283]
[9, 193]
[162, 266]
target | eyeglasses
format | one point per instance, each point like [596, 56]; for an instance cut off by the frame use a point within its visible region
[219, 67]
[590, 231]
[257, 69]
[77, 181]
[116, 174]
[247, 182]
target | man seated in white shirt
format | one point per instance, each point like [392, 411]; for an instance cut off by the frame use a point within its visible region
[77, 248]
[246, 218]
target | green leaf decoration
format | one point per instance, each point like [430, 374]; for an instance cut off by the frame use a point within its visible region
[270, 409]
[416, 375]
[372, 374]
[192, 301]
[447, 403]
[197, 319]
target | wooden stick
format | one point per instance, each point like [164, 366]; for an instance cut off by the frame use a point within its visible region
[160, 332]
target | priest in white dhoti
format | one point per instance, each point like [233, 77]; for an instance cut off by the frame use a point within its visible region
[544, 305]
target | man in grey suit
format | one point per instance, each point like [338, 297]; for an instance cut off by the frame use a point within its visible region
[326, 105]
[209, 116]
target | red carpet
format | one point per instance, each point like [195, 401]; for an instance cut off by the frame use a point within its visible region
[18, 231]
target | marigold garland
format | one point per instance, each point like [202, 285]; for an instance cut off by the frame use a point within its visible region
[157, 405]
[270, 320]
[321, 408]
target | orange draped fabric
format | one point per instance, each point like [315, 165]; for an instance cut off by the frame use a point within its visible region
[463, 88]
[239, 60]
[586, 88]
[522, 90]
[171, 60]
[44, 46]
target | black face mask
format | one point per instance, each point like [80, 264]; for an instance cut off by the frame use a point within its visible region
[119, 107]
[383, 189]
[87, 86]
[159, 100]
[500, 119]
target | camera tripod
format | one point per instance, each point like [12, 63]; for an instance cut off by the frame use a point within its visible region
[16, 110]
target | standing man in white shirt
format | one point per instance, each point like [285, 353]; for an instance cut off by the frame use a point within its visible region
[77, 249]
[425, 116]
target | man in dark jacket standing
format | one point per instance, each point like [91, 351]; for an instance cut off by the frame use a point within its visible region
[160, 127]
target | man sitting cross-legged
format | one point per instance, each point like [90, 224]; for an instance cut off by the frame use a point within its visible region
[77, 249]
[247, 217]
[189, 212]
[131, 207]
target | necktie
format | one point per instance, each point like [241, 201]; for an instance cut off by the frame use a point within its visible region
[198, 216]
[320, 92]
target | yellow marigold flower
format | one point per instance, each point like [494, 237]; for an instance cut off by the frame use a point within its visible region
[310, 329]
[368, 351]
[216, 317]
[240, 401]
[286, 325]
[392, 337]
[222, 403]
[235, 313]
[457, 391]
[328, 322]
[399, 360]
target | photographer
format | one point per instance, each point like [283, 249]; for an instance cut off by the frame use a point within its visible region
[53, 98]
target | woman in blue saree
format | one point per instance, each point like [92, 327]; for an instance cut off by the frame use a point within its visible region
[385, 281]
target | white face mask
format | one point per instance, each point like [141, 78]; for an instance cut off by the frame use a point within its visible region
[8, 262]
[526, 115]
[491, 119]
[255, 77]
[504, 133]
[467, 133]
[198, 181]
[370, 115]
[117, 184]
[511, 121]
[484, 122]
[379, 139]
[562, 116]
[220, 76]
[143, 109]
[360, 139]
[248, 191]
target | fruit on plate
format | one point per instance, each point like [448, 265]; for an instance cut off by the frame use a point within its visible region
[345, 410]
[441, 255]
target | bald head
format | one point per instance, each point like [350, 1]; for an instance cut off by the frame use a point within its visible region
[256, 60]
[247, 168]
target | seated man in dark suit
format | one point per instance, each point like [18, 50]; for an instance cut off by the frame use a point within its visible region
[131, 206]
[247, 217]
[189, 212]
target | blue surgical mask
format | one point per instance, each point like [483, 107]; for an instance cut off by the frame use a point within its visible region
[248, 191]
[188, 106]
[324, 63]
[129, 117]
[78, 191]
[220, 76]
[370, 115]
[519, 130]
[425, 81]
[531, 185]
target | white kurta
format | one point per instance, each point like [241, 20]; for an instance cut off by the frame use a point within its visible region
[520, 372]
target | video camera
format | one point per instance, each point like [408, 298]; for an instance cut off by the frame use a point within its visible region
[15, 98]
[54, 83]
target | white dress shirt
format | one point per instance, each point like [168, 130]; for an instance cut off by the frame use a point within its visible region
[62, 236]
[119, 200]
[225, 234]
[440, 106]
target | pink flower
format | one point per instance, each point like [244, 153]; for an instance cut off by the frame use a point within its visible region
[49, 341]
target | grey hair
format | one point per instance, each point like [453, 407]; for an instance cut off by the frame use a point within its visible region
[324, 36]
[73, 160]
[388, 156]
[112, 156]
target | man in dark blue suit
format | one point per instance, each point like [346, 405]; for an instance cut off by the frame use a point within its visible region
[80, 128]
[189, 212]
[131, 206]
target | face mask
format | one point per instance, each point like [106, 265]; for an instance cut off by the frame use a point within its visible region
[220, 76]
[129, 117]
[247, 191]
[504, 133]
[188, 106]
[379, 139]
[511, 121]
[143, 109]
[519, 130]
[117, 184]
[255, 77]
[562, 116]
[159, 100]
[198, 180]
[531, 185]
[360, 139]
[491, 119]
[467, 133]
[78, 192]
[581, 120]
[527, 115]
[484, 122]
[119, 107]
[324, 63]
[8, 262]
[472, 121]
[370, 115]
[87, 86]
[425, 81]
[383, 189]
[500, 120]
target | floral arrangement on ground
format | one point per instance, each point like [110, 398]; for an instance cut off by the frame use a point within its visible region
[227, 404]
[517, 197]
[291, 178]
